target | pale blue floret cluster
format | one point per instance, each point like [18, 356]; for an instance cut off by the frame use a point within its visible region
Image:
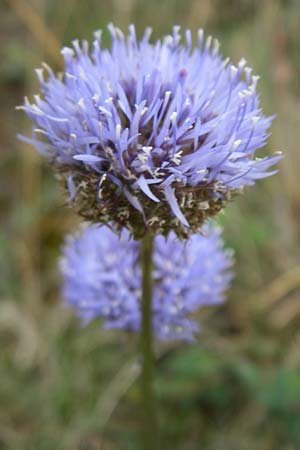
[151, 135]
[102, 278]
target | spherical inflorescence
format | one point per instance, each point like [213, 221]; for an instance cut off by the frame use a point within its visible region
[102, 278]
[150, 136]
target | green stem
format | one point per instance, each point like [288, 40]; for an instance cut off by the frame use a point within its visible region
[148, 397]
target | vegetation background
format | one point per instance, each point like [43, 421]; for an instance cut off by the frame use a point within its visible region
[63, 387]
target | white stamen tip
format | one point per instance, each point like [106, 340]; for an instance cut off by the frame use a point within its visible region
[226, 62]
[208, 42]
[237, 143]
[118, 130]
[67, 51]
[168, 40]
[242, 63]
[98, 35]
[233, 71]
[216, 46]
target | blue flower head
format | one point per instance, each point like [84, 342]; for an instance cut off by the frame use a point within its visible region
[150, 136]
[102, 278]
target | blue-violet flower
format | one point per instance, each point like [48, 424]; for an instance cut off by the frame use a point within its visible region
[102, 278]
[150, 136]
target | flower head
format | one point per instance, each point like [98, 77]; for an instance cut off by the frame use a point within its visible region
[150, 136]
[102, 278]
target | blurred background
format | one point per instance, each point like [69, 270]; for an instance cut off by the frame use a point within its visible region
[64, 387]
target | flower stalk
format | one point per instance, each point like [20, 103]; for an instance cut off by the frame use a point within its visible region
[150, 432]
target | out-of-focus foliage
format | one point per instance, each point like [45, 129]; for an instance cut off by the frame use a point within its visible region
[72, 388]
